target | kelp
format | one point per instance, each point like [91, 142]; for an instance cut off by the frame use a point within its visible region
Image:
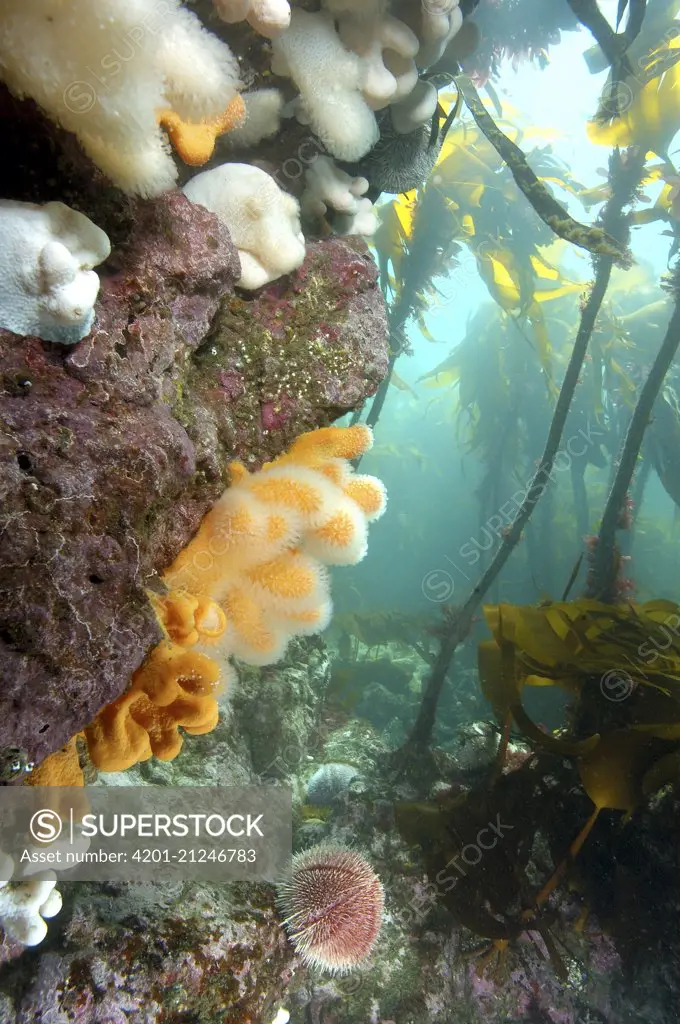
[566, 643]
[595, 239]
[662, 442]
[469, 201]
[603, 573]
[652, 116]
[477, 849]
[625, 175]
[621, 665]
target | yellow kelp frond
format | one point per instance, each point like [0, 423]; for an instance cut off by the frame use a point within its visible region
[653, 117]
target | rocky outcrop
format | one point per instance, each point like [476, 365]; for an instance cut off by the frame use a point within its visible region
[112, 451]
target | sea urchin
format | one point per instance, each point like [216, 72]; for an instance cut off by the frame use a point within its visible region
[333, 907]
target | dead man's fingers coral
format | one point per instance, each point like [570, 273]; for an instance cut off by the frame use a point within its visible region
[263, 220]
[47, 285]
[268, 17]
[25, 904]
[105, 78]
[174, 688]
[312, 54]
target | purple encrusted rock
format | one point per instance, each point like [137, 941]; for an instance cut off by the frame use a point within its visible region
[111, 451]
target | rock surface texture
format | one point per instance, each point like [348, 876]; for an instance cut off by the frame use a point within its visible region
[113, 450]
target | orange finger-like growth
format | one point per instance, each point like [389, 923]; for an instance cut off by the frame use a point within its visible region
[331, 443]
[293, 488]
[195, 142]
[188, 620]
[287, 579]
[369, 494]
[173, 689]
[254, 639]
[260, 552]
[342, 539]
[232, 533]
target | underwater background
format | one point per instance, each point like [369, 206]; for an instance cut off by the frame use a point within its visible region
[340, 454]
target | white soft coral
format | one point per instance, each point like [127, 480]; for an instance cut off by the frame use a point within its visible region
[47, 285]
[268, 17]
[329, 187]
[330, 79]
[441, 21]
[387, 48]
[104, 71]
[263, 220]
[24, 903]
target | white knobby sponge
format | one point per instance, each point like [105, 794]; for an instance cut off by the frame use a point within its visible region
[387, 48]
[104, 71]
[441, 21]
[24, 905]
[327, 185]
[263, 119]
[330, 80]
[268, 17]
[47, 285]
[263, 220]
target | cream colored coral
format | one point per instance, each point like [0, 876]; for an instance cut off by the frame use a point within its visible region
[24, 905]
[26, 902]
[263, 220]
[328, 186]
[441, 21]
[416, 109]
[262, 550]
[387, 48]
[103, 70]
[263, 119]
[47, 285]
[330, 79]
[268, 17]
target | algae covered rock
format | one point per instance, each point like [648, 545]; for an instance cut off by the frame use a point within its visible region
[137, 953]
[112, 451]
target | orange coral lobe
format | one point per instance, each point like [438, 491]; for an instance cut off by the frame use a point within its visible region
[277, 527]
[247, 619]
[333, 443]
[339, 531]
[195, 142]
[289, 492]
[289, 576]
[368, 493]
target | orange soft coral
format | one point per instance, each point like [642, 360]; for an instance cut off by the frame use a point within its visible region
[329, 443]
[174, 688]
[261, 551]
[189, 620]
[195, 143]
[59, 769]
[253, 577]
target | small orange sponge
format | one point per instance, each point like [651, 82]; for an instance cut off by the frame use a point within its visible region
[195, 143]
[59, 769]
[173, 689]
